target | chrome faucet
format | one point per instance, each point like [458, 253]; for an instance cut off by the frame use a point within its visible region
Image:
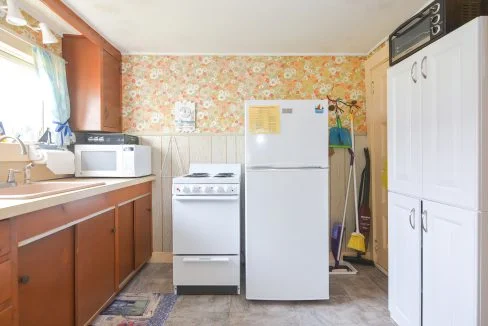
[23, 148]
[11, 182]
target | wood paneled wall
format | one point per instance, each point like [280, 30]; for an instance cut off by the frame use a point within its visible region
[171, 156]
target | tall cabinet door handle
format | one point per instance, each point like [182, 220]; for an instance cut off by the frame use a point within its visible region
[413, 72]
[423, 67]
[424, 221]
[411, 218]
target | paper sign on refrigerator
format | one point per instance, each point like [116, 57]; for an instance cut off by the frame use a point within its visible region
[264, 119]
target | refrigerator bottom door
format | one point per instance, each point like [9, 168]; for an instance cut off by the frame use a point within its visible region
[287, 235]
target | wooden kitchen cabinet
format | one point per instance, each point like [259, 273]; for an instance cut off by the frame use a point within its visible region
[142, 230]
[62, 265]
[125, 233]
[95, 264]
[94, 83]
[46, 280]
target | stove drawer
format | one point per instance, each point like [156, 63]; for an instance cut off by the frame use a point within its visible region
[206, 270]
[206, 225]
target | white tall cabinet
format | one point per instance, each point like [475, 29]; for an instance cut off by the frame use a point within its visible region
[437, 182]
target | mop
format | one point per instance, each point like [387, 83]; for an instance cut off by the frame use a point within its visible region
[357, 241]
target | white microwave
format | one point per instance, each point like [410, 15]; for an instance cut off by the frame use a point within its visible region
[119, 161]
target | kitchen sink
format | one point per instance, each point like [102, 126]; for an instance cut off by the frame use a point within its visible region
[42, 189]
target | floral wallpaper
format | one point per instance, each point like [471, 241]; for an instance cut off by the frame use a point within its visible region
[219, 85]
[29, 34]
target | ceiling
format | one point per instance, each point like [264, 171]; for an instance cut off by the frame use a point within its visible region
[245, 26]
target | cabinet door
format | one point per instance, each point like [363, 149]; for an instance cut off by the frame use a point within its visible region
[125, 235]
[404, 139]
[46, 271]
[449, 265]
[404, 282]
[111, 110]
[142, 230]
[95, 264]
[450, 118]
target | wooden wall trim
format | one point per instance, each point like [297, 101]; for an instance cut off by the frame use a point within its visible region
[79, 24]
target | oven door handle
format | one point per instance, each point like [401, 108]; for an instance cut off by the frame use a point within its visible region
[206, 198]
[400, 28]
[206, 259]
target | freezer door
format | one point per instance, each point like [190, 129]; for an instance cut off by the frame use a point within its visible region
[303, 137]
[287, 235]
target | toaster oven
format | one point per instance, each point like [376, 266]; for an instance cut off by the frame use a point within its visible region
[433, 22]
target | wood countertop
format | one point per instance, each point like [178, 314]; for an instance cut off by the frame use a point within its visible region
[14, 207]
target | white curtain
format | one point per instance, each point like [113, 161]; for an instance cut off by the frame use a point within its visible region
[51, 70]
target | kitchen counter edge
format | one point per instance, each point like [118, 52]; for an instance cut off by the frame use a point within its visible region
[14, 207]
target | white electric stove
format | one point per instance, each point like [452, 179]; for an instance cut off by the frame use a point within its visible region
[206, 230]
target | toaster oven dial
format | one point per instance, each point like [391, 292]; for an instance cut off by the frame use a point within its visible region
[208, 189]
[435, 8]
[435, 19]
[186, 189]
[196, 189]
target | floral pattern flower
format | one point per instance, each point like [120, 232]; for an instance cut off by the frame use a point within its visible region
[219, 85]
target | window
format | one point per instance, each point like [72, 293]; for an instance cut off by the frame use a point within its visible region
[21, 109]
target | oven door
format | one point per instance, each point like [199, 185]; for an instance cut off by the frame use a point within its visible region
[206, 225]
[99, 161]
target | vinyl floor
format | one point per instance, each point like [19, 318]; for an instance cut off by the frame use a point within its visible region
[356, 300]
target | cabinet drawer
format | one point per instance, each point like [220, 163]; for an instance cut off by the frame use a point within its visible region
[206, 270]
[5, 281]
[4, 237]
[7, 316]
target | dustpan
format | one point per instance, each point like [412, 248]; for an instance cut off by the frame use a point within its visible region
[339, 137]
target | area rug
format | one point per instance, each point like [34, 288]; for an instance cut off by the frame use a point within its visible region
[137, 309]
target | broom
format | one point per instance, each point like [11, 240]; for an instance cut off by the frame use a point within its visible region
[357, 241]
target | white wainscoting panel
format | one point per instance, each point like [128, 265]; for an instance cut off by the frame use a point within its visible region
[172, 155]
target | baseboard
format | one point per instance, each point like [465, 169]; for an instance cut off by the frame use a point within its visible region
[161, 257]
[381, 269]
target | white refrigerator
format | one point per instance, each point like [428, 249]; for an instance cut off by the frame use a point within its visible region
[287, 200]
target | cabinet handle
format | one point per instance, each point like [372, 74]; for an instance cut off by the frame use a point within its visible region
[424, 221]
[105, 111]
[412, 73]
[411, 218]
[149, 210]
[114, 230]
[24, 279]
[423, 67]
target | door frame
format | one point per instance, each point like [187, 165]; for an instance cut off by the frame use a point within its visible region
[378, 58]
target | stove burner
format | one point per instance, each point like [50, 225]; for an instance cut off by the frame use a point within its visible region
[224, 175]
[197, 175]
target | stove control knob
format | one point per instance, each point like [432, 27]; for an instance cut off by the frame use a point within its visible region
[196, 189]
[186, 189]
[220, 189]
[230, 189]
[208, 189]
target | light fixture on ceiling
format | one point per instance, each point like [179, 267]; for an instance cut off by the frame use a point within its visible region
[48, 37]
[14, 16]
